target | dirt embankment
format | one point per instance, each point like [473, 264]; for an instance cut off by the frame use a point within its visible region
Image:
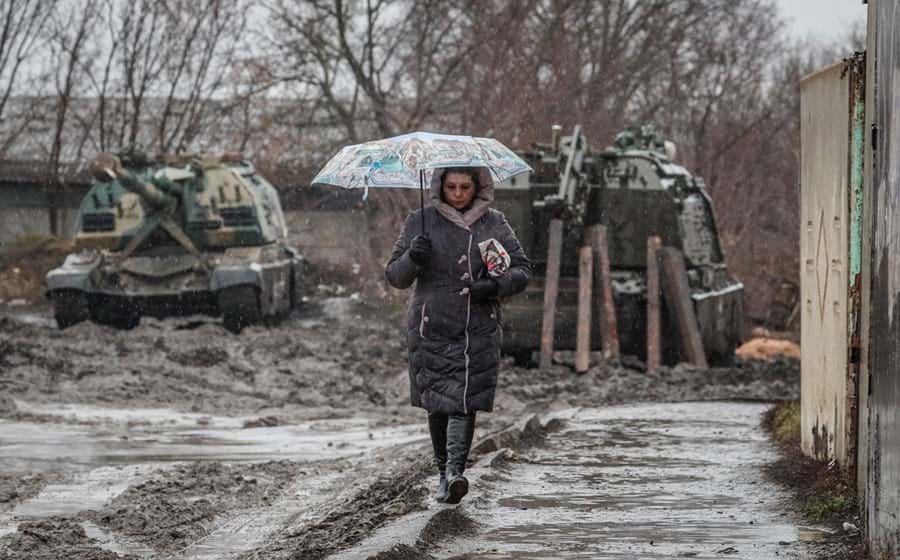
[324, 362]
[25, 262]
[778, 379]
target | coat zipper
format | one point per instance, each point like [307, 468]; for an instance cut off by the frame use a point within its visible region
[468, 314]
[422, 322]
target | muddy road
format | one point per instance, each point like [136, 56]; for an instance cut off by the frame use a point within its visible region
[627, 481]
[180, 440]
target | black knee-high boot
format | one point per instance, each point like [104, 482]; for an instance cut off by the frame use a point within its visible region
[460, 430]
[437, 426]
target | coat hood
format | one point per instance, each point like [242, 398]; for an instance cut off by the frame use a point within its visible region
[483, 198]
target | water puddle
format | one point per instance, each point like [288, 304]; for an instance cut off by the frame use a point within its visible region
[115, 543]
[161, 436]
[813, 534]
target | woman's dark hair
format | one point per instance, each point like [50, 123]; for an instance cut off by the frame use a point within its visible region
[472, 172]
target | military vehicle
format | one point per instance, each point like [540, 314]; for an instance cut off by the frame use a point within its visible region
[177, 235]
[635, 189]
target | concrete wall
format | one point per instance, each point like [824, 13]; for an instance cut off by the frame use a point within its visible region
[16, 222]
[23, 211]
[882, 493]
[827, 390]
[330, 239]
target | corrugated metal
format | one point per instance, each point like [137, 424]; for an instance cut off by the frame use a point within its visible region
[883, 488]
[824, 254]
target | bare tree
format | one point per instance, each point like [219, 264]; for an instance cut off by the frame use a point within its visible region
[164, 69]
[375, 62]
[70, 28]
[203, 50]
[22, 26]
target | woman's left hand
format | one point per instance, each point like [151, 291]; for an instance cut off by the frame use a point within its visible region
[484, 289]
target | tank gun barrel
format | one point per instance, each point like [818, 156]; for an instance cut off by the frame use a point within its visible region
[572, 181]
[148, 191]
[157, 192]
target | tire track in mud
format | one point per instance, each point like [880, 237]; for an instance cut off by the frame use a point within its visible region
[390, 488]
[74, 494]
[217, 507]
[242, 531]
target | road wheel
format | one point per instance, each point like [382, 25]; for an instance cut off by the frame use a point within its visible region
[240, 307]
[522, 357]
[115, 312]
[69, 307]
[296, 285]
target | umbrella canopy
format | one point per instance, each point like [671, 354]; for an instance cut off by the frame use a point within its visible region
[403, 161]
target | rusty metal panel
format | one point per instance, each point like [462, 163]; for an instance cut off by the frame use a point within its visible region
[856, 74]
[862, 470]
[883, 488]
[824, 255]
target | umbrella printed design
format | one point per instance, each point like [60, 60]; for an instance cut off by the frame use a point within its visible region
[396, 162]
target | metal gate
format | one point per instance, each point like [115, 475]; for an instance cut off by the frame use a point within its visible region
[831, 148]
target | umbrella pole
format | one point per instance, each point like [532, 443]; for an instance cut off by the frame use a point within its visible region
[422, 197]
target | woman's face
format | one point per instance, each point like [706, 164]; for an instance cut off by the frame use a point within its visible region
[458, 189]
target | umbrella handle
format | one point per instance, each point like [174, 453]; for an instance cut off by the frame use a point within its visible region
[422, 197]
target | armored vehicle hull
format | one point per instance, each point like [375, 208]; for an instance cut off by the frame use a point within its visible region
[635, 190]
[202, 236]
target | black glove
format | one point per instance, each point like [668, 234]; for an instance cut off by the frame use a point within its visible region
[484, 289]
[420, 250]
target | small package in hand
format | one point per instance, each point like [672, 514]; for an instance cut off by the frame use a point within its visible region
[495, 257]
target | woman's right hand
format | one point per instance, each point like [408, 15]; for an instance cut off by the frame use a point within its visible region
[420, 250]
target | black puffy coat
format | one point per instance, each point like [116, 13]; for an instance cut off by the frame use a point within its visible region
[454, 339]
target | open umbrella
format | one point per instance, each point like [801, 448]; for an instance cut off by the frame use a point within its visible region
[404, 161]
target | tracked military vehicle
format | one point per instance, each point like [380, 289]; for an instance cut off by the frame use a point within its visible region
[635, 189]
[178, 235]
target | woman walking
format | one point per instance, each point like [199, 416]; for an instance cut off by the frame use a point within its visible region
[466, 258]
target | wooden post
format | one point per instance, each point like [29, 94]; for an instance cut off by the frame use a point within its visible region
[606, 305]
[654, 356]
[551, 290]
[680, 306]
[583, 337]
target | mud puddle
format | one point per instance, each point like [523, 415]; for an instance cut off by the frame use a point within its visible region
[654, 481]
[101, 462]
[169, 436]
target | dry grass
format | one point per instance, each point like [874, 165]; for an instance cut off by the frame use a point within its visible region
[824, 493]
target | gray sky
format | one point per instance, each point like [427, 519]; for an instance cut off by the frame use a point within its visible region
[821, 19]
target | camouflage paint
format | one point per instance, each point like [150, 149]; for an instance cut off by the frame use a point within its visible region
[166, 231]
[636, 191]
